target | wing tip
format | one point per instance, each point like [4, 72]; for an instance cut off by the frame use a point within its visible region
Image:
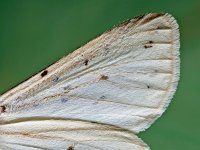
[176, 58]
[176, 68]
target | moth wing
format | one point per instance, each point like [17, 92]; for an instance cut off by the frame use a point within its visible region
[68, 135]
[124, 78]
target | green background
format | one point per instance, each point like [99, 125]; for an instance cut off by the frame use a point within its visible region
[35, 33]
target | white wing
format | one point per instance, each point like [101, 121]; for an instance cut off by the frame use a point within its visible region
[125, 79]
[63, 134]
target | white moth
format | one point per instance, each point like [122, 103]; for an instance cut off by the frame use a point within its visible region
[100, 96]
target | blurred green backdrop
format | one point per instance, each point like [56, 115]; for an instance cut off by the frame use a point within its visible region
[34, 34]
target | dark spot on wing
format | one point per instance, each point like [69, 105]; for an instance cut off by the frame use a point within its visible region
[104, 77]
[150, 42]
[86, 62]
[2, 109]
[148, 86]
[70, 148]
[44, 73]
[64, 100]
[102, 97]
[147, 46]
[68, 87]
[56, 79]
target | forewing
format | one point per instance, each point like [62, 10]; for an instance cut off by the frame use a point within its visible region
[125, 78]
